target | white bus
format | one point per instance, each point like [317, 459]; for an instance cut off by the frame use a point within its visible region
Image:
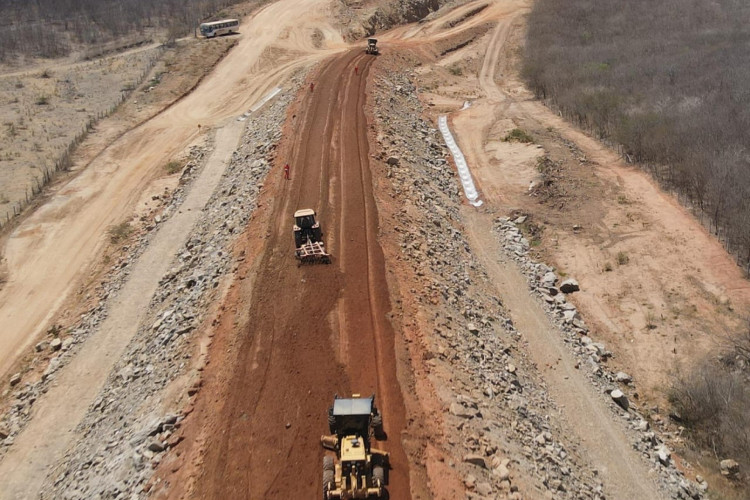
[210, 30]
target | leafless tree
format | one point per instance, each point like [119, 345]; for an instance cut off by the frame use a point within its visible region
[50, 28]
[672, 90]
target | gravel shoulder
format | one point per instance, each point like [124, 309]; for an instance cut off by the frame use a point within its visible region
[55, 418]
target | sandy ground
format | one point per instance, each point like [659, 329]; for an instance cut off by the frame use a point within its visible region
[656, 287]
[43, 111]
[37, 449]
[678, 295]
[584, 416]
[70, 227]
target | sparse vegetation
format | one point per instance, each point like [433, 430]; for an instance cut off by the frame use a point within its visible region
[711, 402]
[455, 70]
[670, 91]
[53, 28]
[608, 267]
[55, 330]
[622, 258]
[173, 167]
[119, 232]
[42, 100]
[518, 135]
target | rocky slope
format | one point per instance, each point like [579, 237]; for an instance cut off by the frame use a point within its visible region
[126, 430]
[499, 423]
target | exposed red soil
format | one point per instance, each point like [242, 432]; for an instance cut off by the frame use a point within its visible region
[310, 331]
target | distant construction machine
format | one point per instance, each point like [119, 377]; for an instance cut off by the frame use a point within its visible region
[357, 470]
[372, 46]
[308, 238]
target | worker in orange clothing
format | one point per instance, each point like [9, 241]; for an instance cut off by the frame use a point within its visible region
[312, 86]
[286, 171]
[356, 70]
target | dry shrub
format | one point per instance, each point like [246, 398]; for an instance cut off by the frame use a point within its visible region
[670, 90]
[173, 167]
[712, 401]
[518, 135]
[119, 232]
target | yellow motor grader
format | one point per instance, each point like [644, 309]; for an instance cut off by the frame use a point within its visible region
[354, 469]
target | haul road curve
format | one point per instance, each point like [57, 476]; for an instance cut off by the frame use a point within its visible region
[310, 331]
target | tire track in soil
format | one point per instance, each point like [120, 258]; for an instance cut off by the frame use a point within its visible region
[268, 419]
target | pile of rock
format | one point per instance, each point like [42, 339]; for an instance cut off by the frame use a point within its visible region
[592, 356]
[500, 420]
[53, 354]
[124, 436]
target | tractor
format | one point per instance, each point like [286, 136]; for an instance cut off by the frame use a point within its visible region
[355, 470]
[372, 46]
[308, 238]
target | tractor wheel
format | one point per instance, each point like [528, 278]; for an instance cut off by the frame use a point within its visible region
[327, 482]
[331, 421]
[377, 421]
[328, 463]
[378, 476]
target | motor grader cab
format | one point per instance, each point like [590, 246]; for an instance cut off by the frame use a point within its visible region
[308, 238]
[372, 46]
[357, 470]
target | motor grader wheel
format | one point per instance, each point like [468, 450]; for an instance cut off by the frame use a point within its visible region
[377, 421]
[378, 476]
[328, 475]
[331, 421]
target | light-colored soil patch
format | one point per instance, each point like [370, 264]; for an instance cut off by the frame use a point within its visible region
[44, 111]
[656, 288]
[181, 69]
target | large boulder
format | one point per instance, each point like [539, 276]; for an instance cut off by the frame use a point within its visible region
[620, 398]
[569, 286]
[729, 468]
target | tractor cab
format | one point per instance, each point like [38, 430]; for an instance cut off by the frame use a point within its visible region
[372, 46]
[306, 228]
[304, 219]
[352, 417]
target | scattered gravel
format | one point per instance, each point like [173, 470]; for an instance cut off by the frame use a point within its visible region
[592, 357]
[501, 421]
[124, 433]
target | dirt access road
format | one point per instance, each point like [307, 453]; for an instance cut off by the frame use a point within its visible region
[311, 331]
[585, 416]
[54, 248]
